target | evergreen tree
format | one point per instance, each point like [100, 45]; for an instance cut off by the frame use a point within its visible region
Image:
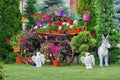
[10, 24]
[29, 11]
[48, 4]
[104, 20]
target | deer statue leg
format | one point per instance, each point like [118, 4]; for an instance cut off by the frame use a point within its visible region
[101, 60]
[106, 60]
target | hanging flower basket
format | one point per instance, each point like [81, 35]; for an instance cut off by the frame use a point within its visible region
[86, 17]
[60, 13]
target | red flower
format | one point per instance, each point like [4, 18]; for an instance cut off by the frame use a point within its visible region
[85, 9]
[33, 15]
[8, 41]
[50, 24]
[58, 23]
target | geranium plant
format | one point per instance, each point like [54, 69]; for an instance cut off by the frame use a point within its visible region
[38, 16]
[15, 40]
[55, 51]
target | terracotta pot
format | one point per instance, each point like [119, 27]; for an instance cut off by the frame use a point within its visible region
[16, 48]
[18, 60]
[56, 63]
[86, 17]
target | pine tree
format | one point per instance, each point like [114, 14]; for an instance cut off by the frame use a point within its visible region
[29, 11]
[10, 24]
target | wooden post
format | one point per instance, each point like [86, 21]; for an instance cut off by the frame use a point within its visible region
[85, 25]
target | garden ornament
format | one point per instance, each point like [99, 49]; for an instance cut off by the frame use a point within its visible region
[103, 50]
[38, 59]
[88, 60]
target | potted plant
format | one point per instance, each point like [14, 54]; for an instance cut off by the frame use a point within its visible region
[86, 14]
[38, 17]
[56, 53]
[15, 42]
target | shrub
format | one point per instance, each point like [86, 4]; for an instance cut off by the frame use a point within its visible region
[83, 42]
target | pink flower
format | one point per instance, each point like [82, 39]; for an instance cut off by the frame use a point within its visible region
[26, 49]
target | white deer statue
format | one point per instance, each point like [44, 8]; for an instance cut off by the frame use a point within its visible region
[88, 60]
[103, 50]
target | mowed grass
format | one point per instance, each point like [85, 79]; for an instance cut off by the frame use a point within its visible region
[71, 72]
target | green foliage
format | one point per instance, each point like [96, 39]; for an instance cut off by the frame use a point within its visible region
[83, 42]
[2, 74]
[15, 40]
[114, 55]
[29, 11]
[104, 20]
[10, 23]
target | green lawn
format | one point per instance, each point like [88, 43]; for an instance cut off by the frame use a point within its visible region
[72, 72]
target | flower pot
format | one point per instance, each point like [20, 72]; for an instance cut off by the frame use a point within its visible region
[18, 60]
[16, 48]
[56, 63]
[60, 13]
[86, 17]
[38, 23]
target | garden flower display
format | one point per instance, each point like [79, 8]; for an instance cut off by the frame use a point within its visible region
[55, 51]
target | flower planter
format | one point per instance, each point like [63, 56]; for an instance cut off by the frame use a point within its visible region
[86, 17]
[38, 23]
[72, 31]
[60, 13]
[56, 63]
[16, 48]
[61, 31]
[55, 32]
